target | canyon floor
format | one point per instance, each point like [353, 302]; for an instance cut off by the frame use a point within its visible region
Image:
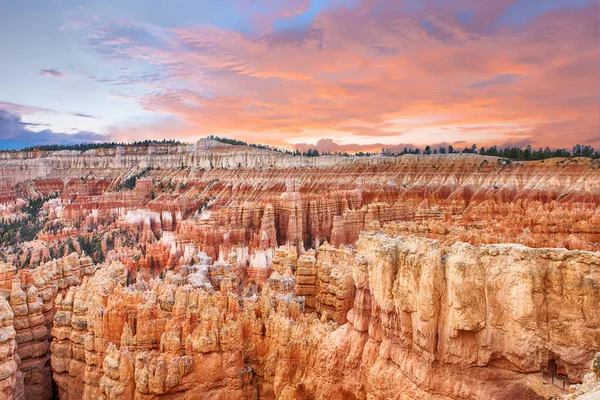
[213, 271]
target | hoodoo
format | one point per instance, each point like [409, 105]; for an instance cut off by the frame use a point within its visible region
[218, 271]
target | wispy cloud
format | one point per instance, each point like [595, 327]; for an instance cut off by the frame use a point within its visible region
[82, 115]
[21, 109]
[498, 80]
[379, 71]
[54, 72]
[14, 133]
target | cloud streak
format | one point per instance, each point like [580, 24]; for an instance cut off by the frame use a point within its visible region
[498, 80]
[375, 73]
[82, 115]
[53, 73]
[14, 134]
[356, 71]
[22, 109]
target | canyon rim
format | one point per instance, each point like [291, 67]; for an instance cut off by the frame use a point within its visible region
[219, 271]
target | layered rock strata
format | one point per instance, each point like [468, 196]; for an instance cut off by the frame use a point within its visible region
[423, 321]
[31, 303]
[9, 359]
[220, 271]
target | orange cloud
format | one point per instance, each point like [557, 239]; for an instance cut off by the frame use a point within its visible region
[386, 76]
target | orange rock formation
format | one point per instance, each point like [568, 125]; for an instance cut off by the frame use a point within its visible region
[218, 271]
[405, 308]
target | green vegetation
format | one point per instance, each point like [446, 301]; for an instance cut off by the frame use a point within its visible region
[311, 153]
[236, 142]
[63, 248]
[129, 183]
[92, 246]
[527, 154]
[169, 185]
[512, 153]
[54, 227]
[103, 145]
[15, 232]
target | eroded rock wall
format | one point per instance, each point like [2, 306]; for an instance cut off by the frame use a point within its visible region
[220, 271]
[31, 305]
[9, 360]
[428, 315]
[424, 321]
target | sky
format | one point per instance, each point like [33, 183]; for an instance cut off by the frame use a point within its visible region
[338, 75]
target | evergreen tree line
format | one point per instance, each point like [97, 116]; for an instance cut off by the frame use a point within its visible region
[512, 153]
[101, 145]
[518, 153]
[236, 142]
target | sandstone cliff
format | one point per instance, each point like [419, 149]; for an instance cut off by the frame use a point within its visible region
[589, 389]
[424, 321]
[31, 315]
[8, 358]
[218, 271]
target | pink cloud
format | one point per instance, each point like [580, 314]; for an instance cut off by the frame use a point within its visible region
[20, 109]
[383, 74]
[276, 9]
[53, 73]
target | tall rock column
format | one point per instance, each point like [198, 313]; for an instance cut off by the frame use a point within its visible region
[32, 341]
[306, 279]
[8, 357]
[268, 234]
[291, 220]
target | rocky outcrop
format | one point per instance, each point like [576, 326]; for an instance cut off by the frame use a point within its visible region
[335, 287]
[32, 341]
[16, 167]
[31, 305]
[307, 279]
[34, 253]
[589, 389]
[457, 322]
[220, 271]
[8, 357]
[532, 223]
[83, 329]
[452, 197]
[502, 307]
